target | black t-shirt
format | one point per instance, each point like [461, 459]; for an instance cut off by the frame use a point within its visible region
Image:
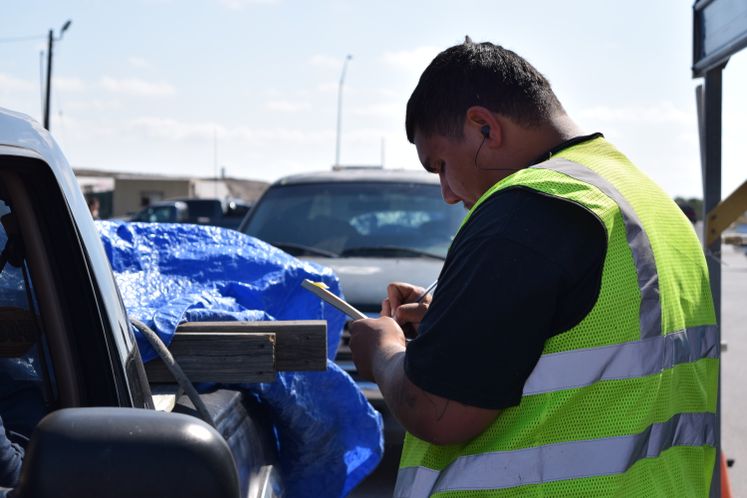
[525, 267]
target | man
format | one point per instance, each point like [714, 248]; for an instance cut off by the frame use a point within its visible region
[94, 205]
[11, 459]
[570, 347]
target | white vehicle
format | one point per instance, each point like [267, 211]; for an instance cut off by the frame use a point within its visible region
[66, 334]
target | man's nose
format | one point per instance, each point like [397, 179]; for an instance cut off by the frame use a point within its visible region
[449, 196]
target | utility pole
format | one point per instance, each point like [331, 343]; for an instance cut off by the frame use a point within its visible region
[50, 44]
[50, 47]
[339, 108]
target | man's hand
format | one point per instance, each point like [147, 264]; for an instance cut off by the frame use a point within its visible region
[401, 304]
[378, 347]
[374, 337]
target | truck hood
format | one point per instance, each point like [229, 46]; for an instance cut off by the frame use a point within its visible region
[364, 280]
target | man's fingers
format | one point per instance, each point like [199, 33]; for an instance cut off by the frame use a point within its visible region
[400, 293]
[395, 295]
[410, 313]
[386, 308]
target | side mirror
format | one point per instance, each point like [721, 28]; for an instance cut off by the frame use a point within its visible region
[126, 452]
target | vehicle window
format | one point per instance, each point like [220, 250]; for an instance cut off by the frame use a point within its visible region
[22, 375]
[200, 209]
[157, 214]
[49, 283]
[356, 219]
[235, 210]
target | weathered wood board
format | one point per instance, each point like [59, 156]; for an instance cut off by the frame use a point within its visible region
[244, 352]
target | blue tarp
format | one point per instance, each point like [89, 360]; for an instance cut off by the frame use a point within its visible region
[329, 436]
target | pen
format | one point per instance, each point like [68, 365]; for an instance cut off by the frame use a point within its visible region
[426, 291]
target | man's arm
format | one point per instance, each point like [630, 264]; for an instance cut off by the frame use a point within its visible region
[378, 347]
[11, 459]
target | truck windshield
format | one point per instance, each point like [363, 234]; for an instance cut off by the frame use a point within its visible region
[356, 219]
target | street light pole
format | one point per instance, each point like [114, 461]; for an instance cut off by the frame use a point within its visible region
[50, 46]
[339, 107]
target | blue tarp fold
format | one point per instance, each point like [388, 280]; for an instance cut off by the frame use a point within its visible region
[329, 437]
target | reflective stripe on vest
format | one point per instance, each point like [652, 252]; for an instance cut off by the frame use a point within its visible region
[558, 371]
[555, 462]
[643, 255]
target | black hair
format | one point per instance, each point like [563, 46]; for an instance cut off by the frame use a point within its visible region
[480, 74]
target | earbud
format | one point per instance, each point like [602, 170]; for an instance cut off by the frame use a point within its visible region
[485, 130]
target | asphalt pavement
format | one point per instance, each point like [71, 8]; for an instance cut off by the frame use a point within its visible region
[734, 364]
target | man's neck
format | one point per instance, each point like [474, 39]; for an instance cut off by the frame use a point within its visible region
[530, 143]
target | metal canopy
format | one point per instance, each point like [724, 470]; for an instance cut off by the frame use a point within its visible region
[719, 31]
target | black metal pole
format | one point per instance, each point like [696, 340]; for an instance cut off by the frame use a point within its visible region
[49, 80]
[712, 173]
[711, 112]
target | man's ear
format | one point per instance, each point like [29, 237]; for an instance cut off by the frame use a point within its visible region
[483, 123]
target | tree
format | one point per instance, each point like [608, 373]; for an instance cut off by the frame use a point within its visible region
[692, 207]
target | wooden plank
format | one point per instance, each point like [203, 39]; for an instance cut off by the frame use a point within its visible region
[300, 345]
[219, 357]
[725, 213]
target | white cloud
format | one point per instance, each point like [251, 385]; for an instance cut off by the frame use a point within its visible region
[334, 87]
[411, 60]
[328, 87]
[380, 111]
[282, 135]
[68, 84]
[287, 106]
[138, 62]
[240, 4]
[661, 113]
[387, 93]
[172, 129]
[93, 105]
[135, 86]
[10, 83]
[689, 138]
[327, 61]
[373, 135]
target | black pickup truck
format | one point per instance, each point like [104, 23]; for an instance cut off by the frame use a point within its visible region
[70, 371]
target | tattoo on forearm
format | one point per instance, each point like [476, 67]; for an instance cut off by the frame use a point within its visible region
[439, 416]
[439, 411]
[407, 397]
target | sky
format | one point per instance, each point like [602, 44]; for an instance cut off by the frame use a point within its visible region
[191, 87]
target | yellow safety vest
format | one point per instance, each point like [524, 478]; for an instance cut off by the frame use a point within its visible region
[624, 403]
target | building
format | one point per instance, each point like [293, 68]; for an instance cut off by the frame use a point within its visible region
[122, 194]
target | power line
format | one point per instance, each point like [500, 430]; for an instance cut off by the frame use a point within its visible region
[21, 38]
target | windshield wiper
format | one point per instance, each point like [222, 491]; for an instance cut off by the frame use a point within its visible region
[300, 249]
[392, 251]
